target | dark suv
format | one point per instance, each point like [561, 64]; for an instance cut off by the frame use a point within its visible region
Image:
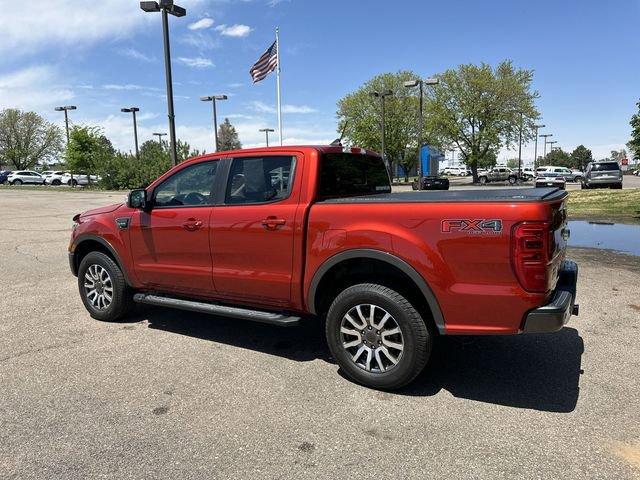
[605, 174]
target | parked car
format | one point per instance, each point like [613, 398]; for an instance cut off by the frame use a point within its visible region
[606, 174]
[26, 177]
[55, 178]
[498, 174]
[386, 272]
[80, 178]
[4, 175]
[549, 179]
[527, 174]
[431, 183]
[568, 174]
[454, 171]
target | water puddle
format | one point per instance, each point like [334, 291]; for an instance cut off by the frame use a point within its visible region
[605, 235]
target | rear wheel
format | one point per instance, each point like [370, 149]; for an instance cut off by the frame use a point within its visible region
[72, 183]
[617, 186]
[377, 337]
[103, 289]
[512, 180]
[483, 180]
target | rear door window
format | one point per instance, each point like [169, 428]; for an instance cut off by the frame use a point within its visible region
[605, 167]
[255, 180]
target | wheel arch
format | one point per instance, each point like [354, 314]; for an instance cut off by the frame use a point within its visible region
[86, 244]
[323, 275]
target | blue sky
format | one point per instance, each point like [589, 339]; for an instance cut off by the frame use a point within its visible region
[105, 55]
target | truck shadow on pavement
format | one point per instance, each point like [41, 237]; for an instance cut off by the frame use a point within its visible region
[539, 372]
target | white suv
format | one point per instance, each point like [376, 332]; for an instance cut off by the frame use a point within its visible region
[26, 177]
[54, 178]
[458, 171]
[551, 171]
[78, 179]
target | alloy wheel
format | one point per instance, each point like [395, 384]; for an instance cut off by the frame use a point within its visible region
[98, 287]
[372, 338]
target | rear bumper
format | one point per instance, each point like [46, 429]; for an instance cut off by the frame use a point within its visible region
[555, 314]
[603, 181]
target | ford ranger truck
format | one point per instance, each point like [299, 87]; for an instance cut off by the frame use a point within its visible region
[281, 233]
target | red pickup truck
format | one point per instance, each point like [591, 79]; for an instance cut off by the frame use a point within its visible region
[276, 234]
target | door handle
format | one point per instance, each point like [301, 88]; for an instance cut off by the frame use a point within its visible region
[192, 224]
[271, 222]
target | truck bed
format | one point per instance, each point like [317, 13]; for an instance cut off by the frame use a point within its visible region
[478, 195]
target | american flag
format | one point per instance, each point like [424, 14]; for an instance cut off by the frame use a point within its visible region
[266, 64]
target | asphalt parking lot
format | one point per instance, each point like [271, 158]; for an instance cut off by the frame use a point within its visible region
[174, 394]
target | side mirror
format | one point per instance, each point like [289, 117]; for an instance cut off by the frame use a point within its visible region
[137, 199]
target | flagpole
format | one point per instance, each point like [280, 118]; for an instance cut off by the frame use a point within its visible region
[278, 84]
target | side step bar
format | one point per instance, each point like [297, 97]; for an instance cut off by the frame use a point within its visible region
[213, 309]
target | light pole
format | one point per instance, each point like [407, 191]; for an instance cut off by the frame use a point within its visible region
[382, 95]
[65, 109]
[135, 126]
[551, 149]
[266, 133]
[212, 99]
[545, 136]
[420, 83]
[167, 7]
[535, 148]
[159, 135]
[519, 176]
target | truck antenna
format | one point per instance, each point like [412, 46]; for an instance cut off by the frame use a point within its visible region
[338, 141]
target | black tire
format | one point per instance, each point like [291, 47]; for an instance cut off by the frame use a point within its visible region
[417, 336]
[56, 182]
[512, 180]
[617, 186]
[483, 180]
[72, 183]
[16, 182]
[122, 298]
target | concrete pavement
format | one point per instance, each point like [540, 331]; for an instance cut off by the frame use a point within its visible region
[174, 394]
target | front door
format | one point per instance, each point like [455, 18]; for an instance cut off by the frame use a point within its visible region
[253, 231]
[170, 242]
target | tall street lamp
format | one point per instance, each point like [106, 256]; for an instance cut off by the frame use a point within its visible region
[159, 135]
[551, 149]
[212, 99]
[266, 133]
[382, 95]
[545, 136]
[133, 110]
[167, 7]
[420, 83]
[535, 148]
[65, 109]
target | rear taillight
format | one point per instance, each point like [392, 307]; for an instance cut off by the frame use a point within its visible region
[532, 248]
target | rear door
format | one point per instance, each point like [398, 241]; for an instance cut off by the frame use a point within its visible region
[252, 232]
[170, 242]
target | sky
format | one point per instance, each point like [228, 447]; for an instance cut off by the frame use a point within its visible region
[106, 55]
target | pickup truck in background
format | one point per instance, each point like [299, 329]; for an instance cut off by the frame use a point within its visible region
[276, 234]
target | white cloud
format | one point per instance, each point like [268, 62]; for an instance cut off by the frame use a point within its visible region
[31, 25]
[37, 88]
[136, 55]
[201, 24]
[196, 62]
[286, 108]
[273, 3]
[237, 30]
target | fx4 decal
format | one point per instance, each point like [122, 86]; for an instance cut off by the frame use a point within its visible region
[474, 227]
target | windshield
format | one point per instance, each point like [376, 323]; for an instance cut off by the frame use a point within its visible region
[604, 167]
[347, 174]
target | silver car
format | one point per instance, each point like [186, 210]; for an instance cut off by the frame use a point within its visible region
[605, 174]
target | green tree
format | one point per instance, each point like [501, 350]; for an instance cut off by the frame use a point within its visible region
[88, 150]
[228, 137]
[559, 158]
[360, 116]
[27, 139]
[480, 109]
[512, 163]
[634, 143]
[580, 157]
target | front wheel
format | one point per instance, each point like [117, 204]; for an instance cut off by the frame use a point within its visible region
[377, 336]
[483, 180]
[512, 180]
[16, 182]
[103, 289]
[72, 183]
